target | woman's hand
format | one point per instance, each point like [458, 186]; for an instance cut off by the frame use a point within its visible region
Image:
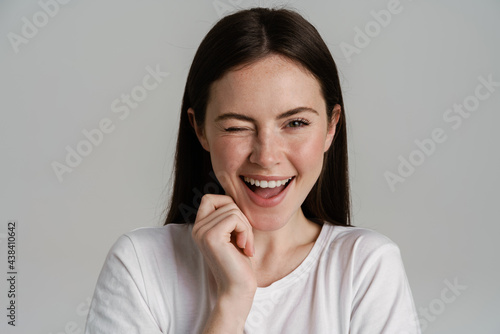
[224, 236]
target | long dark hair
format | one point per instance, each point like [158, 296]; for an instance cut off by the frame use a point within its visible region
[239, 39]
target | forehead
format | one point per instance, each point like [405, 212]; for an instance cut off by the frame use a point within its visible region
[273, 83]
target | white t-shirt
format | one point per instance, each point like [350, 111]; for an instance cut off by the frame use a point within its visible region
[154, 280]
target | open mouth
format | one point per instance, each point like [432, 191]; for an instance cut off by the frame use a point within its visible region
[266, 192]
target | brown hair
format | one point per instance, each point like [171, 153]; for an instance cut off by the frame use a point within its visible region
[242, 38]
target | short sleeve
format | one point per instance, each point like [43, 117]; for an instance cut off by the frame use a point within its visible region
[383, 302]
[119, 304]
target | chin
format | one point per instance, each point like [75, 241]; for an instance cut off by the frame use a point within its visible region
[265, 221]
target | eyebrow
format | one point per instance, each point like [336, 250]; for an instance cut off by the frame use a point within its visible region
[250, 119]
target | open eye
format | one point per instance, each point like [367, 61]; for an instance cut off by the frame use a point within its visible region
[298, 123]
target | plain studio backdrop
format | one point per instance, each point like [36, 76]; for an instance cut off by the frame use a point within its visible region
[90, 100]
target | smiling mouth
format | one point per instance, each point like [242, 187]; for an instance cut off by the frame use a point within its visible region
[266, 192]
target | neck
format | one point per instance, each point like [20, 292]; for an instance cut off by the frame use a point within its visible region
[297, 232]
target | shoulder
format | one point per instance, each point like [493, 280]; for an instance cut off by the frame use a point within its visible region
[359, 237]
[360, 245]
[373, 278]
[159, 234]
[150, 240]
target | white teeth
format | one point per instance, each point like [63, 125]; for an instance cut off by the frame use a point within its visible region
[266, 184]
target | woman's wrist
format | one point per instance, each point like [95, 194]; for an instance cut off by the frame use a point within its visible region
[229, 314]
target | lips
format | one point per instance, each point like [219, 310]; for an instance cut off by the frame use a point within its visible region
[267, 197]
[276, 189]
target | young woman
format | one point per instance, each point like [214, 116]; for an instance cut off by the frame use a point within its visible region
[270, 248]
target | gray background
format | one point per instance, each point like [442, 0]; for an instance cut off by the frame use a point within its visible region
[397, 89]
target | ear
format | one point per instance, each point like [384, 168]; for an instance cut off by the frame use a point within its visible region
[200, 133]
[337, 109]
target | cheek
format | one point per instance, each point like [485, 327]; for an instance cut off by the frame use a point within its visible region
[227, 155]
[309, 151]
[227, 158]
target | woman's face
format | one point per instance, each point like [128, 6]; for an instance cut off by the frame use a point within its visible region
[267, 121]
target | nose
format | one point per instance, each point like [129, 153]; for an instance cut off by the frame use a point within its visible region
[266, 149]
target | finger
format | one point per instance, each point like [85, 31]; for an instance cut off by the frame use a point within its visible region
[227, 228]
[239, 232]
[223, 224]
[207, 222]
[241, 239]
[214, 218]
[208, 210]
[248, 248]
[210, 203]
[244, 236]
[246, 241]
[213, 205]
